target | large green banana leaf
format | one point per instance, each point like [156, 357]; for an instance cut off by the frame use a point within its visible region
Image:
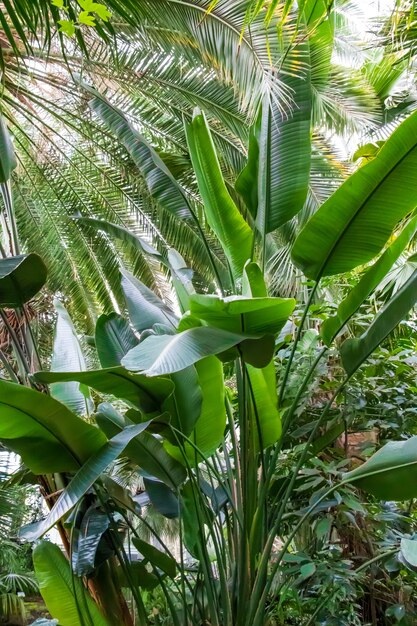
[164, 354]
[256, 316]
[64, 594]
[21, 278]
[84, 479]
[143, 393]
[145, 450]
[391, 473]
[355, 351]
[7, 156]
[67, 355]
[145, 308]
[222, 214]
[354, 224]
[114, 338]
[47, 436]
[209, 428]
[369, 281]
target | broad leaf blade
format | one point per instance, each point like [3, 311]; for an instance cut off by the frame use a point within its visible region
[355, 351]
[143, 393]
[67, 355]
[21, 278]
[391, 473]
[145, 308]
[221, 212]
[48, 437]
[165, 354]
[113, 338]
[57, 586]
[369, 281]
[355, 223]
[85, 479]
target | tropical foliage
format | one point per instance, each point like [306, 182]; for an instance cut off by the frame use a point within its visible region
[193, 295]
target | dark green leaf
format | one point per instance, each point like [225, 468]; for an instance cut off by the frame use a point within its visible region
[21, 278]
[155, 557]
[355, 351]
[114, 338]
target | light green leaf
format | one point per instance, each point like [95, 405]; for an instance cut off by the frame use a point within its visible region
[57, 587]
[67, 354]
[369, 281]
[48, 437]
[391, 473]
[141, 392]
[67, 27]
[165, 354]
[21, 278]
[355, 351]
[240, 314]
[113, 338]
[7, 156]
[354, 224]
[85, 18]
[145, 308]
[221, 212]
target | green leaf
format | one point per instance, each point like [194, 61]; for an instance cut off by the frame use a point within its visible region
[48, 437]
[355, 351]
[165, 354]
[391, 473]
[162, 498]
[266, 416]
[209, 429]
[145, 308]
[221, 212]
[369, 281]
[239, 314]
[155, 557]
[21, 278]
[7, 156]
[66, 355]
[63, 593]
[354, 224]
[67, 27]
[85, 18]
[247, 182]
[94, 524]
[181, 277]
[145, 450]
[285, 151]
[84, 480]
[408, 551]
[113, 338]
[161, 183]
[141, 392]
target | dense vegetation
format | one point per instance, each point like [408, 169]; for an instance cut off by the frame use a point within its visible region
[208, 280]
